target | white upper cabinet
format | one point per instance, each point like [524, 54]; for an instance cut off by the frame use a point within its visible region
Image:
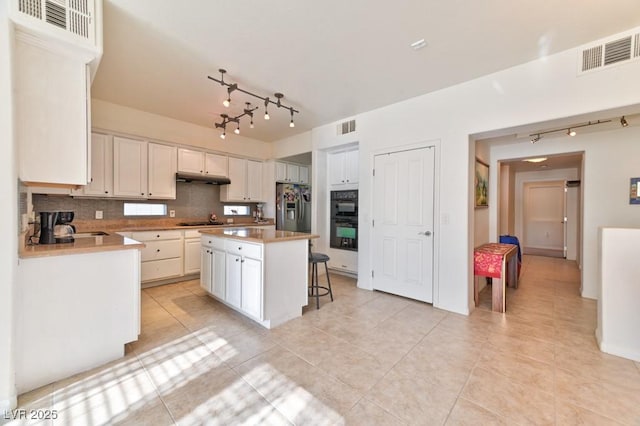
[129, 168]
[281, 171]
[246, 181]
[101, 181]
[216, 165]
[190, 161]
[51, 116]
[162, 171]
[254, 180]
[202, 163]
[343, 168]
[304, 175]
[293, 173]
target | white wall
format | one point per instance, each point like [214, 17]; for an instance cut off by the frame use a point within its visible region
[294, 145]
[610, 160]
[8, 225]
[618, 313]
[118, 118]
[538, 91]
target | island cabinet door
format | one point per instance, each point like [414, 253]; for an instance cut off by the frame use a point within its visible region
[218, 274]
[234, 281]
[252, 287]
[206, 255]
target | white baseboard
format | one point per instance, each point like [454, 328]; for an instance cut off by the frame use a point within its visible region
[8, 405]
[629, 353]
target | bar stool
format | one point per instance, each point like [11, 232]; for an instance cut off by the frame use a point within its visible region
[314, 290]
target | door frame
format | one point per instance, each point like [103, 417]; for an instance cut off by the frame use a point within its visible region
[436, 145]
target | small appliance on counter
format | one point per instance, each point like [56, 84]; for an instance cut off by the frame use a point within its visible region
[55, 228]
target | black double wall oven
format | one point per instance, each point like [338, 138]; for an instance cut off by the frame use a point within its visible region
[344, 220]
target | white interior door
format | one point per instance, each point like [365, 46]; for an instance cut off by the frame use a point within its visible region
[403, 223]
[544, 213]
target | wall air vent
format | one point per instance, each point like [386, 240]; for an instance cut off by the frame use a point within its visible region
[614, 50]
[73, 16]
[592, 58]
[347, 127]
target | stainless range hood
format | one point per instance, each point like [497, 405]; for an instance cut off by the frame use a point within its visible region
[209, 179]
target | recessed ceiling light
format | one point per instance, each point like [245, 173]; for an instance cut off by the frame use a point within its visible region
[536, 160]
[419, 44]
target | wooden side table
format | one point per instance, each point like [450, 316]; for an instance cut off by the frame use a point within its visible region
[499, 262]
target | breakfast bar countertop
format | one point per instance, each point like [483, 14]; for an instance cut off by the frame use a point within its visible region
[90, 244]
[258, 235]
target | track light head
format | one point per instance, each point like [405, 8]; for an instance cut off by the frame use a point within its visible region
[535, 138]
[571, 132]
[291, 123]
[623, 122]
[279, 96]
[223, 135]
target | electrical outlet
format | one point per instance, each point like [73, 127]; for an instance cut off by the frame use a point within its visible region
[98, 214]
[172, 213]
[230, 220]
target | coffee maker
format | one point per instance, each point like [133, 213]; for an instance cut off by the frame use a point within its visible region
[55, 227]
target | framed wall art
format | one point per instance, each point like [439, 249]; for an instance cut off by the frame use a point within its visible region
[482, 184]
[634, 191]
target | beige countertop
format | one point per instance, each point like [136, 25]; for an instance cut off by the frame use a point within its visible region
[129, 225]
[258, 235]
[81, 245]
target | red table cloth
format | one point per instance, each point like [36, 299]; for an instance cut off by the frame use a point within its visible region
[487, 259]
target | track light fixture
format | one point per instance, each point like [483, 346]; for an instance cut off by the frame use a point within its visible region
[570, 131]
[623, 122]
[248, 111]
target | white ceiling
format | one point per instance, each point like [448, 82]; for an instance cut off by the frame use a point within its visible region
[332, 59]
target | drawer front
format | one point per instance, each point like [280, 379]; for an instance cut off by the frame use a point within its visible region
[209, 241]
[244, 249]
[164, 249]
[156, 235]
[159, 269]
[192, 233]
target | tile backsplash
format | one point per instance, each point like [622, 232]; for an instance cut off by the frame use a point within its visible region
[192, 201]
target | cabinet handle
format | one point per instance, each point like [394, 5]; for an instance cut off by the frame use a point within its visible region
[150, 194]
[242, 261]
[237, 259]
[142, 193]
[158, 251]
[106, 192]
[239, 248]
[200, 171]
[158, 236]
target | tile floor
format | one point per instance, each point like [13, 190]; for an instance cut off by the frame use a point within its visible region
[367, 358]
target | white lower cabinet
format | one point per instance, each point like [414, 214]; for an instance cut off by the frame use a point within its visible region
[244, 277]
[162, 256]
[267, 282]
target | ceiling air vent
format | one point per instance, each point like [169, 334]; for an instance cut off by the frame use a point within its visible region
[636, 43]
[347, 127]
[616, 51]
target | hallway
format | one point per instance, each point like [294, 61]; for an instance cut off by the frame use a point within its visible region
[367, 358]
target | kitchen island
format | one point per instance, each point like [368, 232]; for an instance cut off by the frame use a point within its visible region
[77, 305]
[261, 273]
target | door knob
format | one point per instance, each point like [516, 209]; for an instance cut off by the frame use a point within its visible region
[425, 233]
